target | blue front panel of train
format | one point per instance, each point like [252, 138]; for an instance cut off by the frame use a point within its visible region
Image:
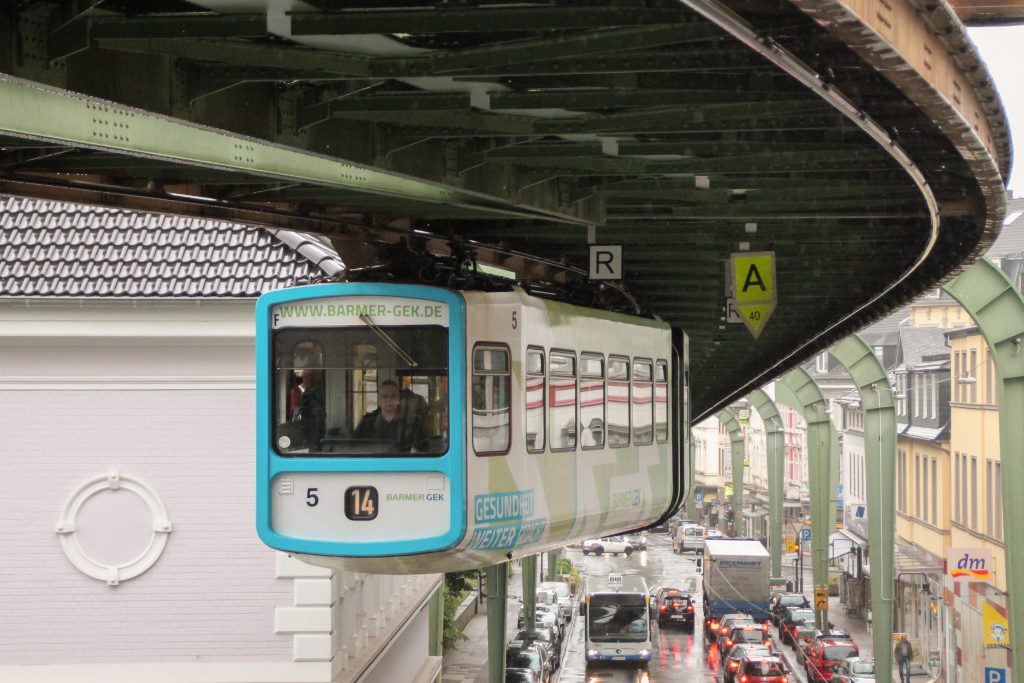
[427, 480]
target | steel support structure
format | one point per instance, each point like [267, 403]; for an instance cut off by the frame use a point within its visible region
[497, 609]
[880, 467]
[529, 591]
[998, 309]
[727, 417]
[553, 556]
[775, 444]
[690, 474]
[819, 454]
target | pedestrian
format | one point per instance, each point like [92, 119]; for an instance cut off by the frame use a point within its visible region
[904, 653]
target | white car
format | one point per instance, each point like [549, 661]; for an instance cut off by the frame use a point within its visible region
[613, 545]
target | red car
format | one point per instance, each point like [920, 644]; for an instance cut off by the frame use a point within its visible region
[823, 654]
[762, 670]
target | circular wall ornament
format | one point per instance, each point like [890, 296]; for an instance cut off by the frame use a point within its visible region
[117, 541]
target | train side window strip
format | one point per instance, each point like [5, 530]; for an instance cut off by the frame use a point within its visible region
[536, 400]
[641, 399]
[592, 400]
[617, 432]
[562, 400]
[661, 401]
[491, 400]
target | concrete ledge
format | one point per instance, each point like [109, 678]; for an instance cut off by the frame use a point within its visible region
[467, 609]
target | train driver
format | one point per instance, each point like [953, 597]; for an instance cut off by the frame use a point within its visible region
[397, 421]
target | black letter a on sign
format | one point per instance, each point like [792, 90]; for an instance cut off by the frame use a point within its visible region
[753, 278]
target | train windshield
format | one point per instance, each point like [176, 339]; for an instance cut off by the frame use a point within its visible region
[367, 383]
[617, 617]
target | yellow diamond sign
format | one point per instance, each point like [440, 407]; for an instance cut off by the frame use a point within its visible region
[753, 286]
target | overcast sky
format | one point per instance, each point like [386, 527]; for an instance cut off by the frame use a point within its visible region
[1002, 49]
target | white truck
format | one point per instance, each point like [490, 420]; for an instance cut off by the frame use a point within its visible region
[736, 573]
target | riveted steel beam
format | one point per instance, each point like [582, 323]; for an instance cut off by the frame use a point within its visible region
[738, 449]
[775, 445]
[997, 307]
[872, 383]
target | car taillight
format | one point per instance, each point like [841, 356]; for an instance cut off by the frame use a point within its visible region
[689, 608]
[728, 644]
[663, 609]
[743, 678]
[785, 679]
[734, 665]
[723, 630]
[764, 627]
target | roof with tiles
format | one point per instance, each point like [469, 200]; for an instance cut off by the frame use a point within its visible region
[919, 343]
[54, 249]
[1011, 239]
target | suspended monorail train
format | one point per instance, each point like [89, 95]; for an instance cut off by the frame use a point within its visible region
[407, 428]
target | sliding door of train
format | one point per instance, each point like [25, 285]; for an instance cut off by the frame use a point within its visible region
[358, 388]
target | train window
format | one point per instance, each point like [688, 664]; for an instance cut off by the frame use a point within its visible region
[492, 390]
[535, 400]
[562, 427]
[661, 401]
[592, 394]
[361, 389]
[618, 401]
[641, 396]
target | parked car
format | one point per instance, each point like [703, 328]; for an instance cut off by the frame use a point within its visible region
[762, 670]
[731, 663]
[854, 670]
[533, 656]
[744, 634]
[563, 596]
[638, 541]
[613, 545]
[674, 606]
[792, 619]
[780, 601]
[521, 676]
[824, 654]
[549, 637]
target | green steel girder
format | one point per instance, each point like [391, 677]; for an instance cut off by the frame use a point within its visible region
[820, 436]
[775, 445]
[997, 307]
[880, 466]
[65, 118]
[477, 20]
[496, 585]
[738, 448]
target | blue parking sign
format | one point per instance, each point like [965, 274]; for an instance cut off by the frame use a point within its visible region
[805, 533]
[698, 497]
[995, 674]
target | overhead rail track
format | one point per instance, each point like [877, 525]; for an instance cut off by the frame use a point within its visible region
[869, 160]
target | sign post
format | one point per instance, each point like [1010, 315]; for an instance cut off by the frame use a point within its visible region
[753, 284]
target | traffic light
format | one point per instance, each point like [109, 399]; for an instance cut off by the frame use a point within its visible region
[730, 517]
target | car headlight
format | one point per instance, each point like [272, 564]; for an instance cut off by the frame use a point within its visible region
[645, 653]
[591, 654]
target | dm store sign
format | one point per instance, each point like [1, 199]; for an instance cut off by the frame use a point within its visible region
[969, 564]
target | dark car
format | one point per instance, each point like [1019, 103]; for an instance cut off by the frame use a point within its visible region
[549, 637]
[751, 635]
[792, 620]
[519, 655]
[780, 601]
[731, 663]
[763, 670]
[521, 676]
[674, 606]
[824, 654]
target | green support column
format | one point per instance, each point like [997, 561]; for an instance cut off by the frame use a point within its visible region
[736, 438]
[819, 452]
[775, 444]
[553, 557]
[497, 609]
[690, 474]
[998, 309]
[880, 467]
[529, 592]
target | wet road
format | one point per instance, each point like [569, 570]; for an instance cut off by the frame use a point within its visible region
[679, 654]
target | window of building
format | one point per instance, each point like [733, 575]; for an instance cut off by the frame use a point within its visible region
[592, 400]
[917, 485]
[821, 363]
[956, 486]
[562, 426]
[990, 521]
[935, 492]
[492, 391]
[990, 384]
[923, 514]
[901, 394]
[536, 400]
[901, 481]
[917, 394]
[933, 395]
[974, 492]
[973, 370]
[997, 493]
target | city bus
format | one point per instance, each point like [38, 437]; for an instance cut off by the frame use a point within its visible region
[617, 620]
